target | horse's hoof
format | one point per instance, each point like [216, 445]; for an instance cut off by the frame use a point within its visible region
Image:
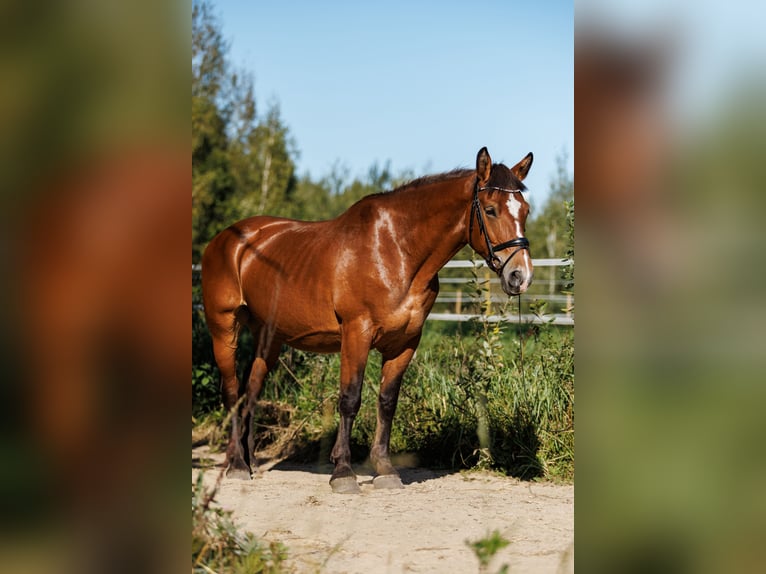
[387, 481]
[345, 485]
[238, 473]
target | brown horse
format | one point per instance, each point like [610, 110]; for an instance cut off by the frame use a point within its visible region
[364, 280]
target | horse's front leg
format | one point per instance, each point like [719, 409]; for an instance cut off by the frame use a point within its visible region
[355, 346]
[394, 365]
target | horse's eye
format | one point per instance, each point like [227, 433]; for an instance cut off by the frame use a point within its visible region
[490, 210]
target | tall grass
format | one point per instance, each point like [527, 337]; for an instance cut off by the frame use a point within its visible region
[465, 402]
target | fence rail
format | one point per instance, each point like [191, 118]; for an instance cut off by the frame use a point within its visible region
[461, 263]
[554, 319]
[454, 299]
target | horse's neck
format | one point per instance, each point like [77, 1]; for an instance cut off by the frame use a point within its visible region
[432, 223]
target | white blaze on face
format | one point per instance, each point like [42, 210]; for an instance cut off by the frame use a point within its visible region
[514, 207]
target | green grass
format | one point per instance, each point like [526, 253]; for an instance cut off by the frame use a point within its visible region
[466, 401]
[486, 548]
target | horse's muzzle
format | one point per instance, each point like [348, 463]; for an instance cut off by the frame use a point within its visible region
[516, 280]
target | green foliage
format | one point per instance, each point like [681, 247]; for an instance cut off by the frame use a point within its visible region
[206, 389]
[209, 65]
[486, 548]
[486, 364]
[547, 226]
[206, 393]
[261, 160]
[219, 546]
[567, 273]
[242, 163]
[310, 199]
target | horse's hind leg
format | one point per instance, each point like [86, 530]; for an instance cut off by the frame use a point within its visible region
[224, 330]
[266, 354]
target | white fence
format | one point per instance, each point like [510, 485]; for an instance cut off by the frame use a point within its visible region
[454, 299]
[453, 296]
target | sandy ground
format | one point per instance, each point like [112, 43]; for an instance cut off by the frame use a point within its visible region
[421, 528]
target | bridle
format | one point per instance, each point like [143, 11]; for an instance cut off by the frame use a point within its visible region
[520, 242]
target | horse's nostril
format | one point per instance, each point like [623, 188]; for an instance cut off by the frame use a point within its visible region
[515, 278]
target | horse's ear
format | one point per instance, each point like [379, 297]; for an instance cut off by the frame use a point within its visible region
[521, 169]
[483, 166]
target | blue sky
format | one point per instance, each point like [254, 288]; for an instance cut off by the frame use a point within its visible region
[424, 84]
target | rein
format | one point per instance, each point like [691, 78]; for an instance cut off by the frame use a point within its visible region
[492, 260]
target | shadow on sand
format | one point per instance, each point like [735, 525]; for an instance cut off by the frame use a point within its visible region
[203, 458]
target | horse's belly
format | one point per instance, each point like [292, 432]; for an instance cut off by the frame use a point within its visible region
[301, 322]
[305, 331]
[316, 342]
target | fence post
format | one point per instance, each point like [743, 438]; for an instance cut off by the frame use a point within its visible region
[488, 291]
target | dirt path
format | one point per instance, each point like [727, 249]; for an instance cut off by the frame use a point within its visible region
[422, 528]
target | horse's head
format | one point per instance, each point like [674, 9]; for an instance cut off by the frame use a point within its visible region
[498, 218]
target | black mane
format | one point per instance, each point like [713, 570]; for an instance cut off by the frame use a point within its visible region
[501, 176]
[437, 178]
[427, 180]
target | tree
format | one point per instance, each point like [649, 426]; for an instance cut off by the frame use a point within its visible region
[547, 230]
[309, 199]
[264, 167]
[550, 231]
[211, 179]
[209, 64]
[242, 165]
[378, 180]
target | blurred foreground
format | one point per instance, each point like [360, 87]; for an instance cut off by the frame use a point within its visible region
[95, 212]
[670, 334]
